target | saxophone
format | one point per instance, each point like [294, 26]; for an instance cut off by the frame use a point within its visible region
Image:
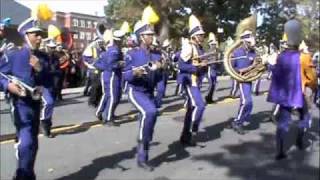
[252, 73]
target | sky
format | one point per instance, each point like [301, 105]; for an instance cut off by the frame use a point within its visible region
[92, 7]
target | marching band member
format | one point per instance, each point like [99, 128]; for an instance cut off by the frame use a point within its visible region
[212, 69]
[4, 45]
[110, 64]
[141, 84]
[245, 57]
[234, 83]
[164, 74]
[264, 52]
[5, 49]
[52, 71]
[293, 78]
[64, 61]
[24, 64]
[93, 85]
[272, 62]
[193, 67]
[316, 62]
[272, 58]
[180, 76]
[234, 88]
[132, 42]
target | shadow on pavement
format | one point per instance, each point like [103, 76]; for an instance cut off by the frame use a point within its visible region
[172, 108]
[258, 118]
[242, 162]
[175, 152]
[91, 171]
[5, 111]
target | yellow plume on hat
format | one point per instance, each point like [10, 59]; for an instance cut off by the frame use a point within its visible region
[247, 24]
[42, 12]
[53, 31]
[150, 16]
[284, 37]
[125, 27]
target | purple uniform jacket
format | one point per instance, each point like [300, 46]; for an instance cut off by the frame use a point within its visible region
[286, 84]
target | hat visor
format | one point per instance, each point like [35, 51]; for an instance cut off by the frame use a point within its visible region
[147, 32]
[200, 32]
[34, 29]
[52, 45]
[165, 45]
[212, 42]
[116, 38]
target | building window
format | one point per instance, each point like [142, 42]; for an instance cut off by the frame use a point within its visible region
[75, 22]
[95, 24]
[75, 36]
[89, 24]
[81, 35]
[88, 36]
[94, 36]
[83, 23]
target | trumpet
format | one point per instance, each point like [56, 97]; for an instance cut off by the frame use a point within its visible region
[148, 66]
[35, 92]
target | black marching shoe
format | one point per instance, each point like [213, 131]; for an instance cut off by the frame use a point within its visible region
[280, 146]
[99, 116]
[110, 123]
[281, 156]
[188, 140]
[299, 141]
[142, 157]
[238, 128]
[145, 166]
[209, 100]
[46, 130]
[22, 176]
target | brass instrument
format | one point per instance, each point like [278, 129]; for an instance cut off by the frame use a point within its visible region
[148, 66]
[35, 92]
[206, 55]
[252, 73]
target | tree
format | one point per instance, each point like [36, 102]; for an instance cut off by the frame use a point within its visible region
[277, 12]
[174, 14]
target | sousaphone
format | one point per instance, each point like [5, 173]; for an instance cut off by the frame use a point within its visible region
[256, 70]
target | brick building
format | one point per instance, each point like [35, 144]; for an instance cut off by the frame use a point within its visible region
[82, 26]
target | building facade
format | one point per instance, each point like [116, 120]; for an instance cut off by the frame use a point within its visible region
[82, 27]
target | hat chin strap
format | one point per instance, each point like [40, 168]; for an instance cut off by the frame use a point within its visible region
[28, 42]
[144, 41]
[196, 39]
[249, 43]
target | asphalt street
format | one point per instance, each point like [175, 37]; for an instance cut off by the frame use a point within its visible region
[83, 149]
